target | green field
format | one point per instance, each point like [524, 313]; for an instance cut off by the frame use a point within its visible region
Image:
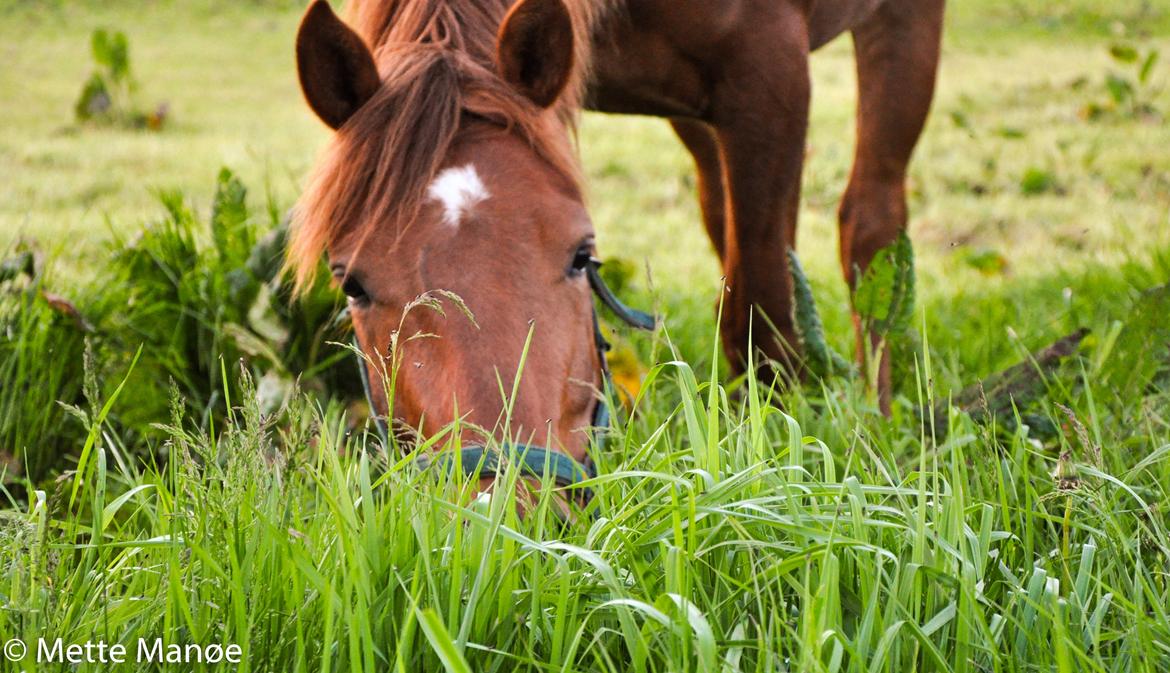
[734, 529]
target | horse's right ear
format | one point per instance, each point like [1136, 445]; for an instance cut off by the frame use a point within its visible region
[337, 70]
[534, 49]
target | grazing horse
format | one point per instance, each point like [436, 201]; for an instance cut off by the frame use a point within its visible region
[453, 168]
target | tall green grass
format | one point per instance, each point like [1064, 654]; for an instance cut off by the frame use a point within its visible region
[43, 349]
[726, 535]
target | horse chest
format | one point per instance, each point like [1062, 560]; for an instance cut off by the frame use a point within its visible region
[830, 18]
[661, 57]
[653, 56]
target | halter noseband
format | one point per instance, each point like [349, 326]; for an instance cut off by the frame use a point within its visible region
[536, 461]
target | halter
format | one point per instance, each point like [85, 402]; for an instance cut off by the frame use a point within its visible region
[535, 461]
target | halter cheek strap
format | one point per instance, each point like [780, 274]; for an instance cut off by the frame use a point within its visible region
[535, 461]
[630, 316]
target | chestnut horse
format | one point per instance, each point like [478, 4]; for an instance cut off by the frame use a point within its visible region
[453, 168]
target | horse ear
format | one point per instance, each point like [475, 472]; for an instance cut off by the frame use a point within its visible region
[337, 70]
[534, 49]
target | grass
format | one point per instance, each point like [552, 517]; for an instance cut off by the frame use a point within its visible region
[727, 535]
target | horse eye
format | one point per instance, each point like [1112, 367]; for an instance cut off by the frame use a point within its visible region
[354, 290]
[581, 260]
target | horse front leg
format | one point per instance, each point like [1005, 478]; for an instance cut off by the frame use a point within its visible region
[760, 115]
[701, 141]
[897, 59]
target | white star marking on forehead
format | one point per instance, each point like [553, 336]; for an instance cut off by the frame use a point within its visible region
[459, 190]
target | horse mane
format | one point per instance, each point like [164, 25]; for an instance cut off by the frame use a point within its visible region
[436, 59]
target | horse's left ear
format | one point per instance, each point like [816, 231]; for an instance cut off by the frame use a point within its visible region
[534, 49]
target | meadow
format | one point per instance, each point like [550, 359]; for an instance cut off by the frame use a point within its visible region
[175, 433]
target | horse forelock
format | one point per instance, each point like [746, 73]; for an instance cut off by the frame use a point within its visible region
[436, 59]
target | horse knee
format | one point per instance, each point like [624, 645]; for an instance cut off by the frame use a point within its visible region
[872, 215]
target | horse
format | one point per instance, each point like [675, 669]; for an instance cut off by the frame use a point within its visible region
[452, 167]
